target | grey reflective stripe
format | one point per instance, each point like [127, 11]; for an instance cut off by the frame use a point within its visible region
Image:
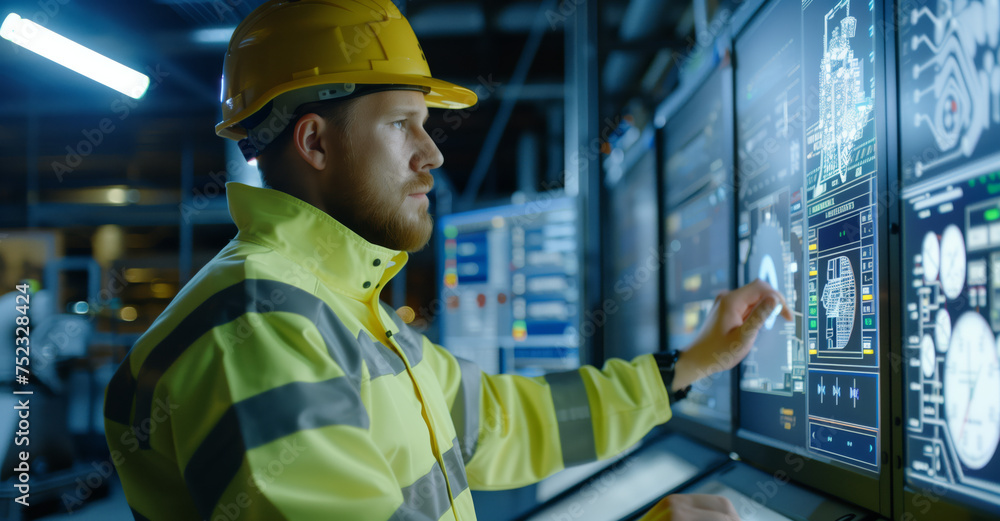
[426, 499]
[137, 516]
[411, 342]
[454, 466]
[261, 419]
[380, 359]
[248, 296]
[576, 429]
[465, 408]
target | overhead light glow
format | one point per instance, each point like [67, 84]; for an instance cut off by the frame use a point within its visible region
[74, 56]
[214, 35]
[116, 195]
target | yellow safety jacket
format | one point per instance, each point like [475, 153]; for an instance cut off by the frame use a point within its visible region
[276, 386]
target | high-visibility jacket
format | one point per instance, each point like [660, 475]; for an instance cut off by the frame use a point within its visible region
[277, 386]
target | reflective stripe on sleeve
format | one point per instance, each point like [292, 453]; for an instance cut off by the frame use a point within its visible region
[576, 429]
[248, 296]
[264, 418]
[465, 409]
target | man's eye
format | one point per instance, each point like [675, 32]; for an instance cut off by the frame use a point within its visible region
[399, 124]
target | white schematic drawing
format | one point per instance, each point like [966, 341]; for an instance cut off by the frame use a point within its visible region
[843, 108]
[966, 95]
[838, 300]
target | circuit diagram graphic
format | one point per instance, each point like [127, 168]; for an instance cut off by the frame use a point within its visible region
[839, 296]
[844, 108]
[962, 76]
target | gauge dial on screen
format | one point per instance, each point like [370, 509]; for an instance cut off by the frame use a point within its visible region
[931, 255]
[942, 329]
[952, 262]
[971, 388]
[928, 358]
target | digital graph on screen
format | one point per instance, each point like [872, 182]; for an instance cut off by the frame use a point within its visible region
[807, 100]
[949, 86]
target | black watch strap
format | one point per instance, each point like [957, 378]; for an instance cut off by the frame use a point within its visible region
[667, 362]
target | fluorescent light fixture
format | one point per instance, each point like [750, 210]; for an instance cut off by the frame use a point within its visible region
[72, 55]
[215, 35]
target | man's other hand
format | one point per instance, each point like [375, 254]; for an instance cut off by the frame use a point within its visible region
[729, 331]
[692, 507]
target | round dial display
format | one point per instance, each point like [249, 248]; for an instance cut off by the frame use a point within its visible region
[942, 329]
[952, 262]
[931, 256]
[928, 358]
[971, 388]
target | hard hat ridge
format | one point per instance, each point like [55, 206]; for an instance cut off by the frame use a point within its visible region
[285, 46]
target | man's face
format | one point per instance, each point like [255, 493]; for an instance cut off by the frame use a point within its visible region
[380, 166]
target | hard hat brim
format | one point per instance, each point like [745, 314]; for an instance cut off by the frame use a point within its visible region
[443, 94]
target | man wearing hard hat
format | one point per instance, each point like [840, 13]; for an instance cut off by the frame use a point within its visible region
[277, 386]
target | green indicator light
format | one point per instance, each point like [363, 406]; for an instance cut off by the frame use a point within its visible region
[812, 310]
[812, 324]
[992, 214]
[450, 231]
[868, 322]
[812, 299]
[993, 189]
[972, 182]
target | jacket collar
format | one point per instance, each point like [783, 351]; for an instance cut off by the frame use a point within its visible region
[340, 258]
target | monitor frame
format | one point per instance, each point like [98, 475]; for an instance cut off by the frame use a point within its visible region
[855, 486]
[633, 156]
[722, 73]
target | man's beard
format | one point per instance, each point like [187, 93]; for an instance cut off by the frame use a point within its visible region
[389, 223]
[407, 232]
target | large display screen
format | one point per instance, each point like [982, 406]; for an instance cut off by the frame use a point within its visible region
[633, 328]
[808, 148]
[510, 286]
[699, 231]
[949, 89]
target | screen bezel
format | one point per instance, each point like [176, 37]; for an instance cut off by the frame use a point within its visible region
[708, 432]
[856, 486]
[629, 164]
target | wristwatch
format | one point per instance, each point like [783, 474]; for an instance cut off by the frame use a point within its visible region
[667, 362]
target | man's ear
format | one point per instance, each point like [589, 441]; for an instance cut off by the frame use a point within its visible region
[307, 140]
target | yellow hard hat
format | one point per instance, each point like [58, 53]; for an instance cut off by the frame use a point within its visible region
[311, 50]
